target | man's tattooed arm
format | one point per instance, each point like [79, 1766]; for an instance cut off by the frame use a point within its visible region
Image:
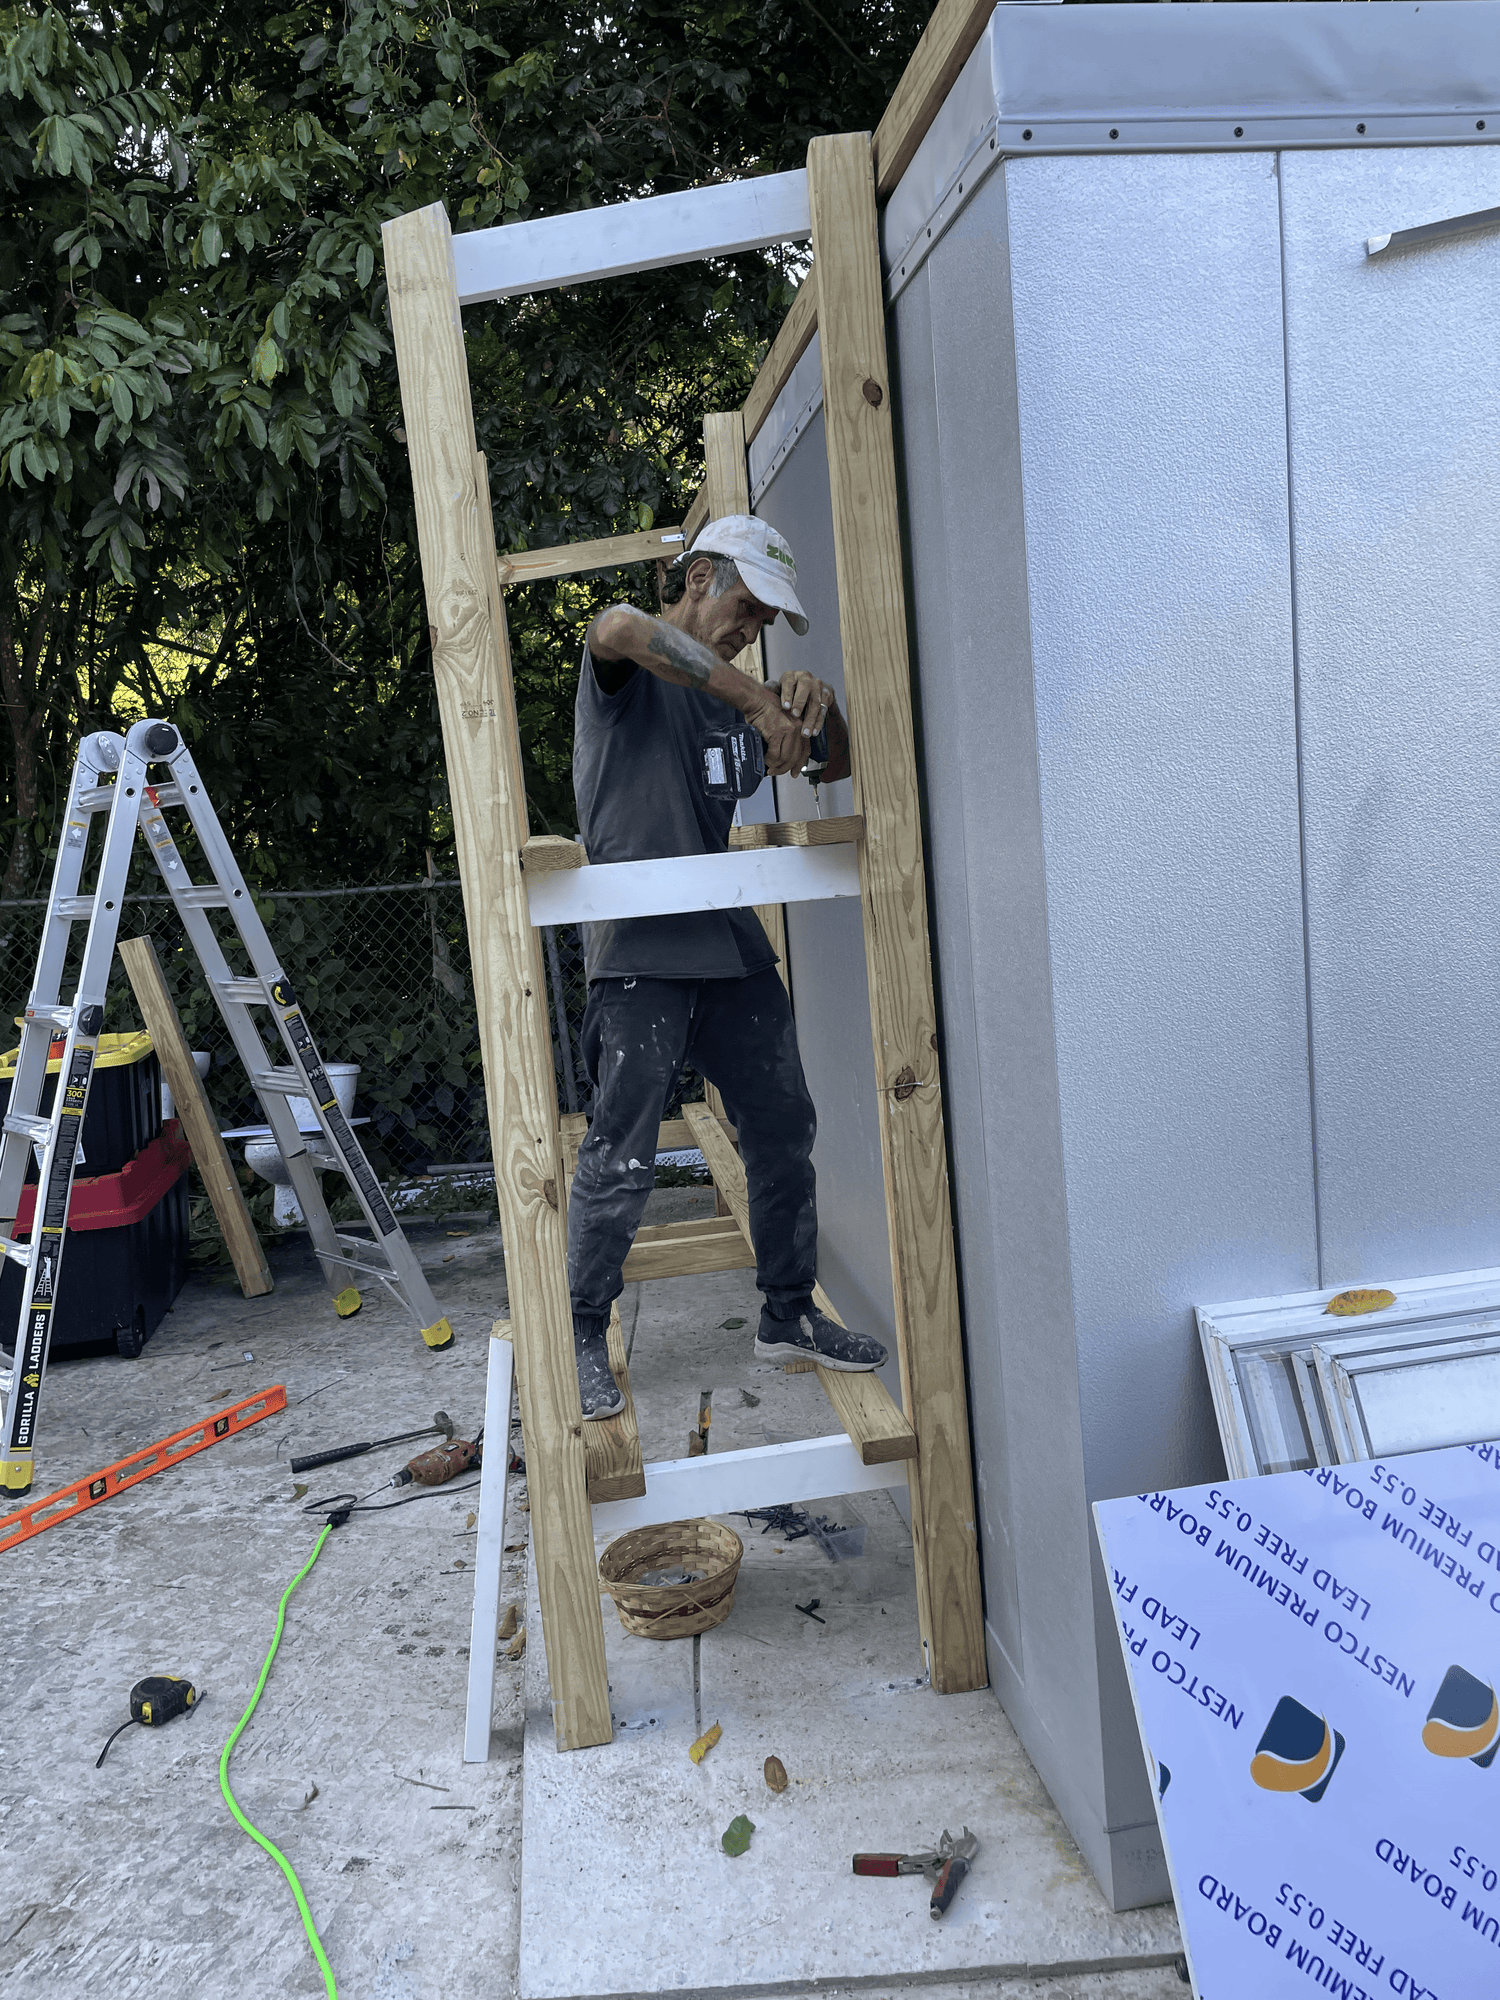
[686, 662]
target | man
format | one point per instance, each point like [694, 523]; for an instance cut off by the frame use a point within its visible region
[700, 988]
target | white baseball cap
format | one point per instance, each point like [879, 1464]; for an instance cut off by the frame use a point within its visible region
[761, 556]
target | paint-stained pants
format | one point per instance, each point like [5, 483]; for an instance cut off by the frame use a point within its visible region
[739, 1033]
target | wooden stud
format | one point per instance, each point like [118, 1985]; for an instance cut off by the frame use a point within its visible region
[948, 40]
[673, 1136]
[903, 1015]
[787, 349]
[199, 1126]
[544, 853]
[577, 558]
[471, 668]
[799, 833]
[717, 1243]
[612, 1445]
[862, 1403]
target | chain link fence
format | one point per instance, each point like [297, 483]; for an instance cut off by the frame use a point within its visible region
[384, 975]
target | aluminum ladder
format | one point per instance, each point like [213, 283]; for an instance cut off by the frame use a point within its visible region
[110, 776]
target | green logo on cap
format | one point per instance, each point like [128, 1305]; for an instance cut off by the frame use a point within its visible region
[782, 555]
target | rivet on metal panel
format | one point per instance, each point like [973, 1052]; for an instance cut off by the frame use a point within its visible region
[1114, 131]
[1027, 133]
[1359, 128]
[1239, 131]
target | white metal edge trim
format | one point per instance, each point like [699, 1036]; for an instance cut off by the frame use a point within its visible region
[489, 1552]
[733, 881]
[800, 400]
[592, 243]
[729, 1482]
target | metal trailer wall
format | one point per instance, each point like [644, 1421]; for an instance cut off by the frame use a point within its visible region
[1201, 508]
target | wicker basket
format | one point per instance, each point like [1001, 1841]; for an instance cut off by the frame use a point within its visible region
[673, 1610]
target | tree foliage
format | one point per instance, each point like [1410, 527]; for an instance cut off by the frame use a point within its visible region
[205, 507]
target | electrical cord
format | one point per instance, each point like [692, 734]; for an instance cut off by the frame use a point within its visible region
[254, 1832]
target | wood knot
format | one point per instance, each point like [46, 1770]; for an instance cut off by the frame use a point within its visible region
[549, 1192]
[874, 394]
[932, 1043]
[904, 1085]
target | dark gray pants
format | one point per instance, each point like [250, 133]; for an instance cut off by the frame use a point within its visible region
[739, 1033]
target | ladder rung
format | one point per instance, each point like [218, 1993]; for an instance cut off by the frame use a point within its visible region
[285, 1082]
[73, 908]
[167, 795]
[97, 798]
[18, 1253]
[38, 1130]
[250, 992]
[209, 897]
[57, 1017]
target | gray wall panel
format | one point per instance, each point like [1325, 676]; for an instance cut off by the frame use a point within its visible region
[825, 941]
[1153, 420]
[1395, 453]
[941, 735]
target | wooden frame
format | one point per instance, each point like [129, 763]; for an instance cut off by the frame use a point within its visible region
[463, 577]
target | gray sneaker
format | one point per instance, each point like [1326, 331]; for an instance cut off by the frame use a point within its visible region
[598, 1391]
[813, 1336]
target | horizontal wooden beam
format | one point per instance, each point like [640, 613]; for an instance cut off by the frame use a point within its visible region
[696, 518]
[577, 558]
[731, 881]
[731, 1482]
[862, 1403]
[787, 349]
[612, 1445]
[797, 833]
[948, 40]
[688, 1250]
[673, 1136]
[545, 853]
[610, 241]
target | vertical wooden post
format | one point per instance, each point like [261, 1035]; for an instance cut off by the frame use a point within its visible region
[726, 485]
[471, 665]
[903, 1017]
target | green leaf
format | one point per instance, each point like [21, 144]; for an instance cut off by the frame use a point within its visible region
[364, 266]
[736, 1836]
[120, 398]
[211, 242]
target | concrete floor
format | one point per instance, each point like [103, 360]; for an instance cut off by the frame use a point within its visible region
[135, 1877]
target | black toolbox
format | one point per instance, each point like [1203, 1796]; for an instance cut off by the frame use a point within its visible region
[124, 1113]
[125, 1258]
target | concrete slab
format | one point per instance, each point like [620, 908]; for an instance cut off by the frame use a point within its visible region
[625, 1889]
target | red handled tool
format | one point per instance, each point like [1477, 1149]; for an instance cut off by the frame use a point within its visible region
[945, 1866]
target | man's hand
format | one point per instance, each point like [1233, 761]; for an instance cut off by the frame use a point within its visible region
[785, 739]
[805, 698]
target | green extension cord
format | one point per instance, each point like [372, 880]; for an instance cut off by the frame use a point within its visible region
[254, 1832]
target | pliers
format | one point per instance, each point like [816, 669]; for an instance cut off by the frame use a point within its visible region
[945, 1867]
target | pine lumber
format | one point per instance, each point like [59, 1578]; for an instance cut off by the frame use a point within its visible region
[471, 669]
[903, 1014]
[577, 558]
[689, 1250]
[799, 832]
[862, 1403]
[612, 1445]
[195, 1114]
[948, 40]
[787, 349]
[544, 853]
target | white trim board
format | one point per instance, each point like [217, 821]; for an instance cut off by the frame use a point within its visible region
[729, 1482]
[737, 880]
[592, 243]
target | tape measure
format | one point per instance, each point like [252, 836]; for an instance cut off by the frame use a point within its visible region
[154, 1701]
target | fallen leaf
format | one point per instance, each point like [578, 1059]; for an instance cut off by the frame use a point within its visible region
[311, 1796]
[508, 1623]
[736, 1836]
[517, 1645]
[699, 1750]
[731, 1324]
[776, 1776]
[1349, 1305]
[470, 1519]
[298, 1491]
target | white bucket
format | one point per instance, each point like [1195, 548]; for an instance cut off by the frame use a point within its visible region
[201, 1060]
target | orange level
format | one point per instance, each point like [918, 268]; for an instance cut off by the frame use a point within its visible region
[88, 1492]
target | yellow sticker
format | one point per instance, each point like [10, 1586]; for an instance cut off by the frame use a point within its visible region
[1349, 1305]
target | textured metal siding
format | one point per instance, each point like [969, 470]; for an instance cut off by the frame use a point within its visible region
[1394, 376]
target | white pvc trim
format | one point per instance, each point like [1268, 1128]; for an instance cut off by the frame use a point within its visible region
[625, 236]
[733, 881]
[729, 1482]
[489, 1551]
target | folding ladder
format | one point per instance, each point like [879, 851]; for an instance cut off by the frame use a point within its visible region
[111, 777]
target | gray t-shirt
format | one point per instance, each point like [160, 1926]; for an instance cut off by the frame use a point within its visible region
[637, 777]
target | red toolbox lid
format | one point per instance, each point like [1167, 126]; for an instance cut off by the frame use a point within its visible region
[115, 1201]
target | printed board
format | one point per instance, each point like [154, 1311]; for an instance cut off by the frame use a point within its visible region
[1314, 1658]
